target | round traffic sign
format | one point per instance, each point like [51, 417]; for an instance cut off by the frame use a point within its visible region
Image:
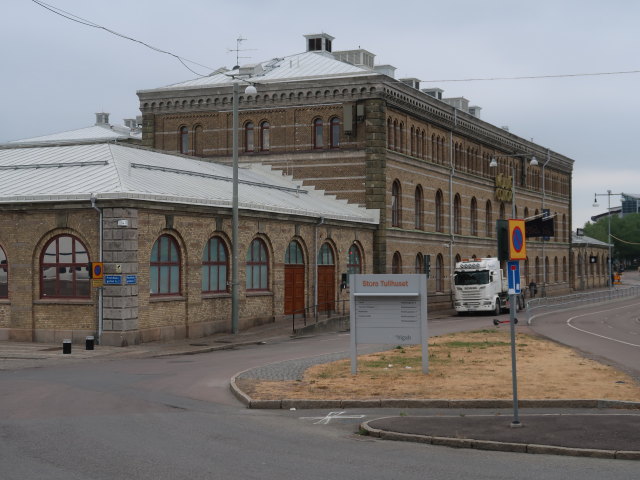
[517, 239]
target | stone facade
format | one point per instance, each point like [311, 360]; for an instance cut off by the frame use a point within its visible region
[131, 313]
[398, 134]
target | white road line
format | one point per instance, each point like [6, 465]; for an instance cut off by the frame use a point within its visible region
[331, 416]
[597, 335]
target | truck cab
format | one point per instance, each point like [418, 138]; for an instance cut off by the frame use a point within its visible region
[480, 286]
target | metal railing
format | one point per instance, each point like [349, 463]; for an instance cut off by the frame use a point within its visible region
[537, 306]
[319, 313]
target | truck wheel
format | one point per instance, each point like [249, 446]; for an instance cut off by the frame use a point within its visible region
[498, 309]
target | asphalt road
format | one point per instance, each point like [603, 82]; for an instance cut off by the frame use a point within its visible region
[174, 418]
[609, 332]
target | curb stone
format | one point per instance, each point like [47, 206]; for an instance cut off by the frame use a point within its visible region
[499, 446]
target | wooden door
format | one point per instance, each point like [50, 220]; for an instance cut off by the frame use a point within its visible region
[326, 288]
[293, 289]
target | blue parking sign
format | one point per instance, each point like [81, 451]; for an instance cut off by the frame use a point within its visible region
[513, 277]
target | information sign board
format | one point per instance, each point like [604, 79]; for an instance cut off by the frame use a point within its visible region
[388, 309]
[513, 277]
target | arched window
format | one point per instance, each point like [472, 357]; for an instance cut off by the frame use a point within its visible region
[474, 217]
[317, 133]
[257, 268]
[401, 138]
[325, 255]
[439, 216]
[164, 267]
[396, 135]
[457, 214]
[412, 139]
[64, 270]
[293, 255]
[488, 219]
[215, 266]
[354, 263]
[419, 208]
[183, 142]
[4, 275]
[265, 140]
[502, 211]
[197, 141]
[389, 134]
[396, 263]
[556, 272]
[439, 273]
[396, 204]
[248, 137]
[564, 269]
[419, 268]
[335, 133]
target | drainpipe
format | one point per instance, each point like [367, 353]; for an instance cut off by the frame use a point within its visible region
[100, 289]
[452, 172]
[315, 268]
[544, 258]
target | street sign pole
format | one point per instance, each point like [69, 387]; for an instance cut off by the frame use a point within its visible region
[514, 378]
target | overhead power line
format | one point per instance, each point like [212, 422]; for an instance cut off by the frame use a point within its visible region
[624, 241]
[530, 77]
[89, 23]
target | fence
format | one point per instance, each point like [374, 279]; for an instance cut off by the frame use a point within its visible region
[537, 306]
[320, 313]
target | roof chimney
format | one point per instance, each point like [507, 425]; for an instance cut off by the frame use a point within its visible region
[319, 42]
[102, 118]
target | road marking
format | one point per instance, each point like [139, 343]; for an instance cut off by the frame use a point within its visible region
[598, 335]
[331, 416]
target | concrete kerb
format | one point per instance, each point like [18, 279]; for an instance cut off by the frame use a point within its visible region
[498, 446]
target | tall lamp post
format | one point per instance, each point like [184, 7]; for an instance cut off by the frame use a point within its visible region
[512, 296]
[250, 90]
[595, 204]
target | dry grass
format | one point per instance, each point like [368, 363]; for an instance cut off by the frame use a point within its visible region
[471, 365]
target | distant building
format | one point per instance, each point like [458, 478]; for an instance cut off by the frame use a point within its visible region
[630, 203]
[102, 131]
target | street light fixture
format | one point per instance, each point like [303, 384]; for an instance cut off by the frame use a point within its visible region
[595, 204]
[249, 90]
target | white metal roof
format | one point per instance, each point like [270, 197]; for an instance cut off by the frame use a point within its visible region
[112, 171]
[308, 65]
[94, 133]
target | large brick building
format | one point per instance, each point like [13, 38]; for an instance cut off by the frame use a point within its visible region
[343, 124]
[161, 224]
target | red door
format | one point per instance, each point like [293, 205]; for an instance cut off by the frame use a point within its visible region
[326, 288]
[293, 289]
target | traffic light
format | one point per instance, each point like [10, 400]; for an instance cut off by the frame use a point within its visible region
[96, 269]
[502, 234]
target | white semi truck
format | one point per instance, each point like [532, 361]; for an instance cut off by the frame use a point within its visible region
[480, 286]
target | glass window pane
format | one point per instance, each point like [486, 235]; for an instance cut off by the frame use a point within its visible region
[153, 280]
[204, 273]
[81, 253]
[175, 280]
[222, 254]
[263, 277]
[49, 281]
[65, 249]
[249, 277]
[164, 249]
[222, 275]
[164, 279]
[213, 279]
[173, 252]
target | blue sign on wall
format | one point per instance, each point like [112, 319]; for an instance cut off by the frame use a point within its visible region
[131, 279]
[113, 280]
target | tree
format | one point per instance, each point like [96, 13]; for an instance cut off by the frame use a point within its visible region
[625, 236]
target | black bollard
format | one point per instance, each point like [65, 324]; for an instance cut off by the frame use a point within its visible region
[66, 347]
[89, 343]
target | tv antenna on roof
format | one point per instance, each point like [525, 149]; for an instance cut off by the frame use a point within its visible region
[239, 40]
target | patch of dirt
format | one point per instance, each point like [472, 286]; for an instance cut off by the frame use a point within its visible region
[470, 365]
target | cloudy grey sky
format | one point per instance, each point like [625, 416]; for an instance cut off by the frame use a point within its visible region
[57, 73]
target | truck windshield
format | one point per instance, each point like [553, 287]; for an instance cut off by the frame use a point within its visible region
[472, 278]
